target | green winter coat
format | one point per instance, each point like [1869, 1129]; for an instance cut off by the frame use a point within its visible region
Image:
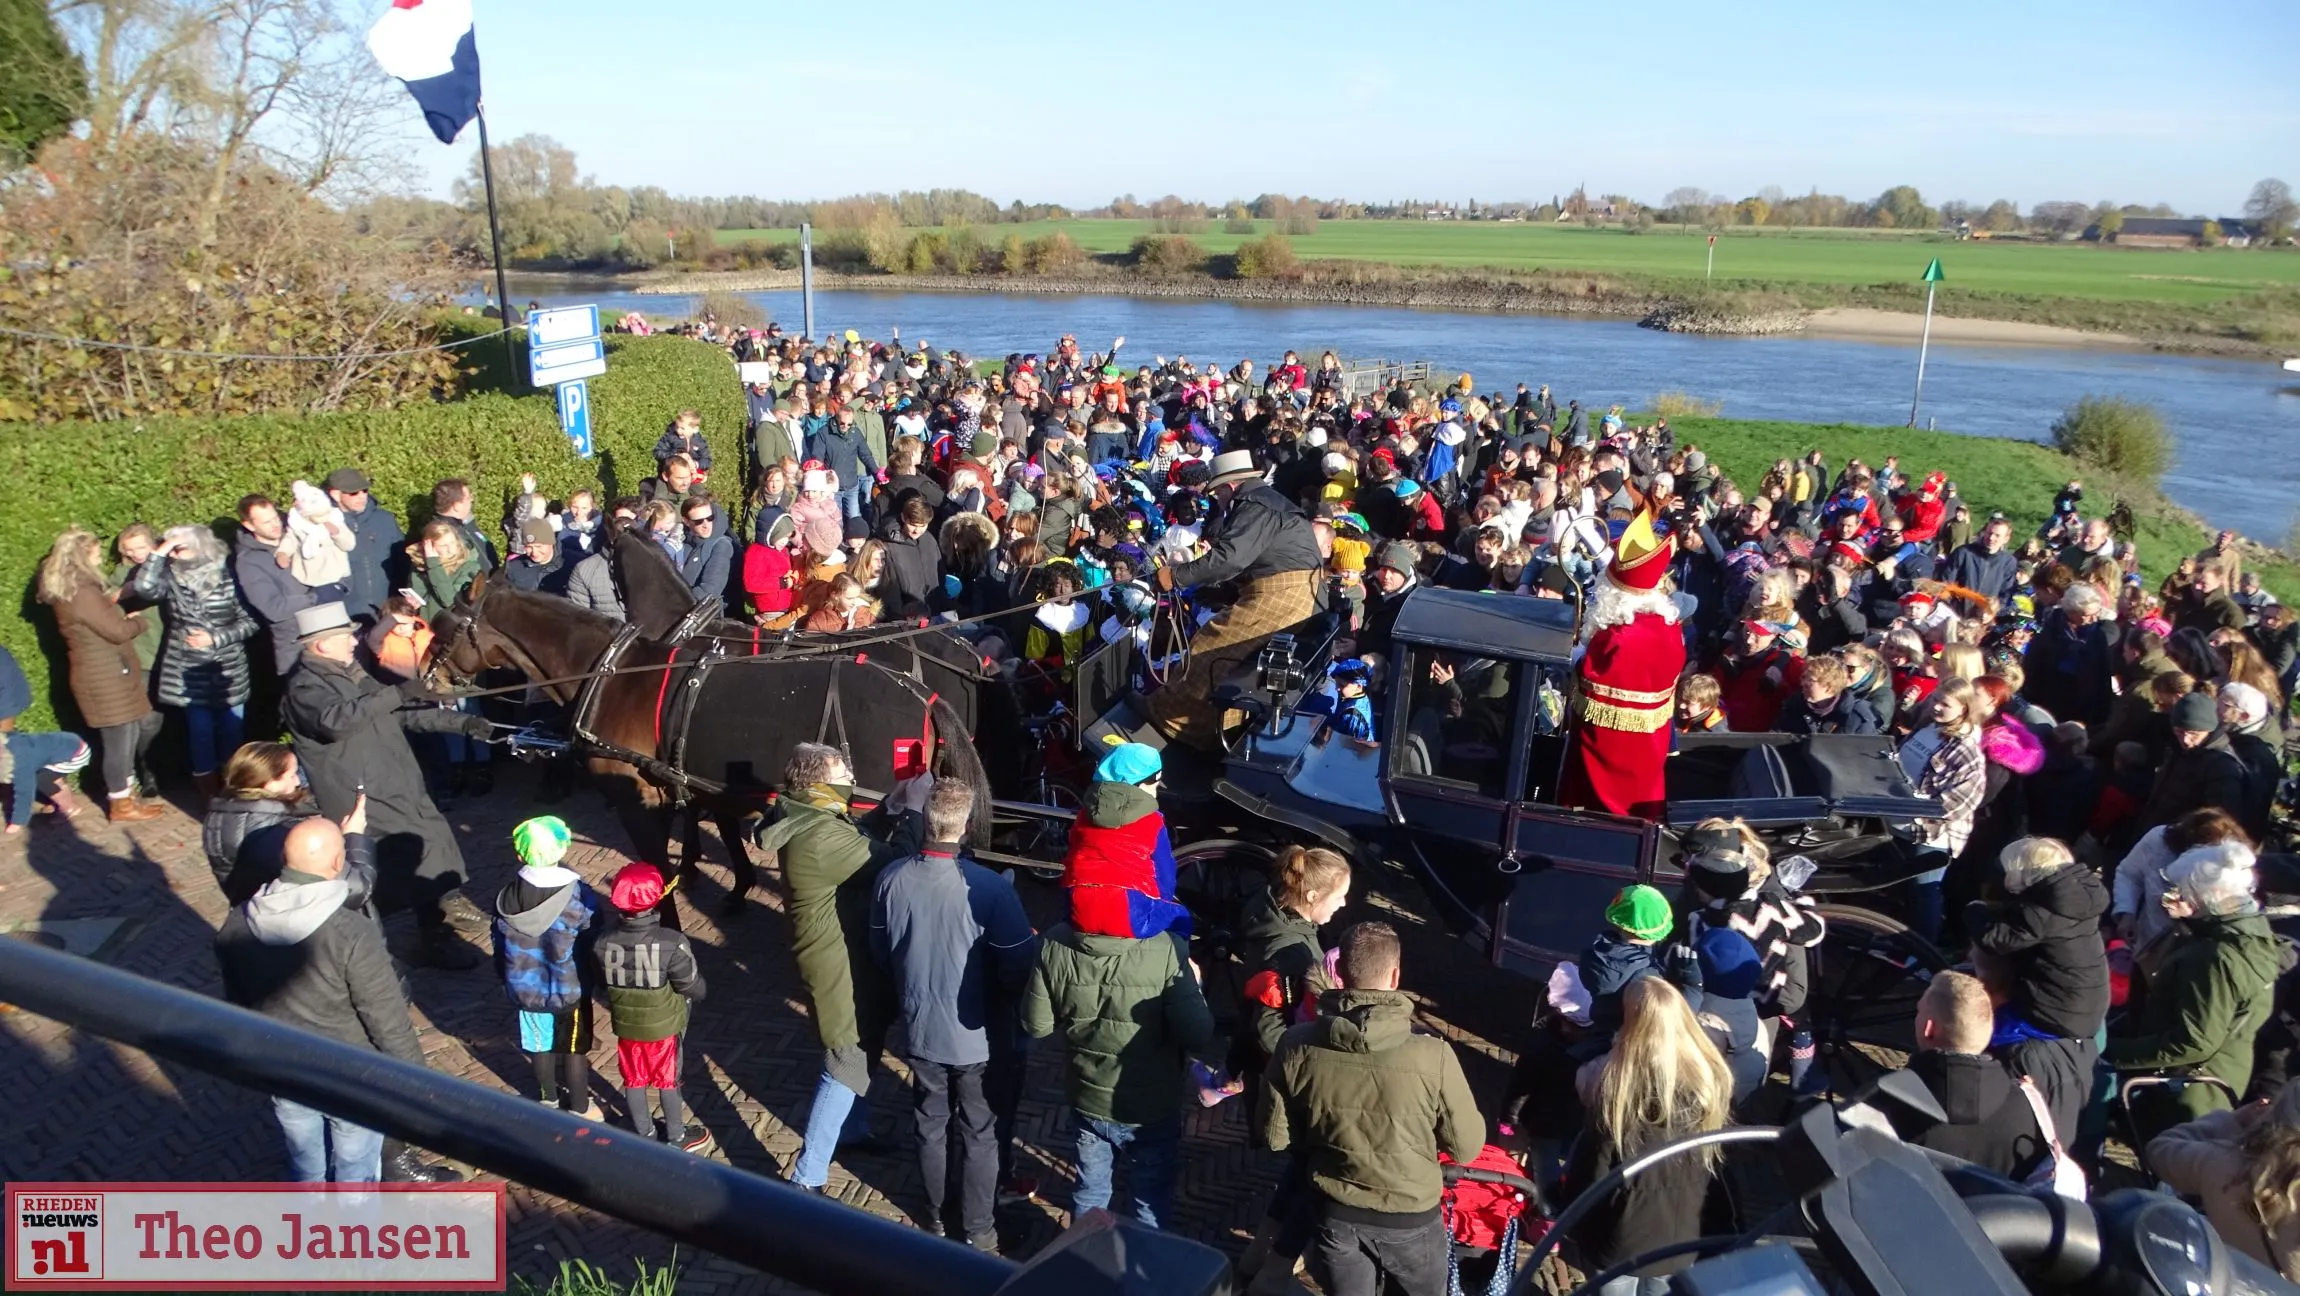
[441, 587]
[1278, 940]
[1131, 1014]
[2204, 1006]
[830, 867]
[1370, 1103]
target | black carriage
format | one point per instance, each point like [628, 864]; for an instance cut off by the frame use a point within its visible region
[1461, 796]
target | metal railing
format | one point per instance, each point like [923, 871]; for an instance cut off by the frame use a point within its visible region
[764, 1223]
[1367, 377]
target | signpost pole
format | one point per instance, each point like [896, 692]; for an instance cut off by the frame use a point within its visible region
[1933, 277]
[495, 240]
[807, 279]
[1712, 270]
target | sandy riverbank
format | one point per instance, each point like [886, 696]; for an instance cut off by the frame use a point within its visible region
[1897, 326]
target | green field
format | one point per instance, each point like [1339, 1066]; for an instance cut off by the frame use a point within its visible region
[1744, 256]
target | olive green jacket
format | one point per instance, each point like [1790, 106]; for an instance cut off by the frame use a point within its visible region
[2204, 1005]
[1370, 1103]
[1131, 1014]
[830, 867]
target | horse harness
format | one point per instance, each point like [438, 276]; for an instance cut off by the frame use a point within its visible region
[682, 688]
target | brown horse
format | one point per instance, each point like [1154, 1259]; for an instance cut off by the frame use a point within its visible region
[728, 742]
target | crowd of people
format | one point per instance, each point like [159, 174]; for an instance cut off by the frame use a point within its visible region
[2106, 753]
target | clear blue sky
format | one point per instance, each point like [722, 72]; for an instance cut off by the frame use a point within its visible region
[2135, 100]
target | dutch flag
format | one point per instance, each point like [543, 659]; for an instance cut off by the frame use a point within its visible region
[428, 45]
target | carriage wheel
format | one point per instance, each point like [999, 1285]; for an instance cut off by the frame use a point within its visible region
[1865, 979]
[1215, 879]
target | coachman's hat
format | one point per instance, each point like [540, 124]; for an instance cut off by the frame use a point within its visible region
[313, 624]
[1235, 466]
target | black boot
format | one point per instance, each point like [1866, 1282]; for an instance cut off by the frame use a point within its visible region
[482, 780]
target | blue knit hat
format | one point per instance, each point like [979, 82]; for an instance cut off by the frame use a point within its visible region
[1130, 763]
[1730, 967]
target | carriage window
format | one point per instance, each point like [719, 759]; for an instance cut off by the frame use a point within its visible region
[1545, 755]
[1458, 720]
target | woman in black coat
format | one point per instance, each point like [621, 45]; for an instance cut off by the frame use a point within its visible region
[2047, 933]
[245, 831]
[203, 667]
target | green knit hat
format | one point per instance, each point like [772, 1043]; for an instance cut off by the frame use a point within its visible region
[541, 841]
[1640, 911]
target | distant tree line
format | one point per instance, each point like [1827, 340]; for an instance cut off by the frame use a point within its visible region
[553, 214]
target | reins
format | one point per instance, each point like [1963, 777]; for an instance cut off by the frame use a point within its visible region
[809, 653]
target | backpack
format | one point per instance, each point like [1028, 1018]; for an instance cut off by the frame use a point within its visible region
[2058, 1171]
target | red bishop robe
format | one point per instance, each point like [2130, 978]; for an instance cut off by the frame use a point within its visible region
[1628, 697]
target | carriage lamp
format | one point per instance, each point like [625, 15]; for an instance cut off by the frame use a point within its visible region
[1281, 672]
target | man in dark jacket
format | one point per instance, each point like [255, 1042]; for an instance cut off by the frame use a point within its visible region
[351, 737]
[1986, 565]
[1991, 1123]
[710, 554]
[378, 565]
[913, 579]
[266, 585]
[2200, 770]
[953, 936]
[2069, 662]
[541, 565]
[1369, 1103]
[830, 868]
[1266, 545]
[298, 953]
[840, 447]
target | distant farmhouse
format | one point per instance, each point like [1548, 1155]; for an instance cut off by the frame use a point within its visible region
[2157, 232]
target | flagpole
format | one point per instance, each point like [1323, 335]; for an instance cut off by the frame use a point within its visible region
[495, 238]
[1932, 281]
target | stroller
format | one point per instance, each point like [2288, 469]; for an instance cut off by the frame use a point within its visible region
[1485, 1208]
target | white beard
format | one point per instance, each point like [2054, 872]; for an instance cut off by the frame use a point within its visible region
[1612, 604]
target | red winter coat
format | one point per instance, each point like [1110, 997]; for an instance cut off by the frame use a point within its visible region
[767, 578]
[1751, 703]
[1921, 518]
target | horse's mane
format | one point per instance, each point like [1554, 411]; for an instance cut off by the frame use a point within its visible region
[654, 597]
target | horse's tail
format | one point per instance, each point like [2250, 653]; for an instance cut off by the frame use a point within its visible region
[962, 761]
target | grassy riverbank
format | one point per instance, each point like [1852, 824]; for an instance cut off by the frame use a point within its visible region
[2221, 299]
[167, 471]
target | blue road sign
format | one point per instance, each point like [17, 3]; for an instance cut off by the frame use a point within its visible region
[575, 414]
[564, 345]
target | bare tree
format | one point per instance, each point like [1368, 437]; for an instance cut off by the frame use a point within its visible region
[2272, 209]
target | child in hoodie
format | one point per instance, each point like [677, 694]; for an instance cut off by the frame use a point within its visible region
[542, 933]
[1120, 871]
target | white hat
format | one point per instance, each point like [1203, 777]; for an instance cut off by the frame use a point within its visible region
[1316, 436]
[819, 479]
[1337, 463]
[1235, 466]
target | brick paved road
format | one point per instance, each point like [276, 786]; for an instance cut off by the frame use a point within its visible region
[82, 1108]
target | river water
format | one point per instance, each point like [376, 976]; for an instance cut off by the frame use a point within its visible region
[2236, 423]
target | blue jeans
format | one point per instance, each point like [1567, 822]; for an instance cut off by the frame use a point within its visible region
[34, 752]
[837, 1117]
[357, 1154]
[851, 499]
[1151, 1151]
[215, 735]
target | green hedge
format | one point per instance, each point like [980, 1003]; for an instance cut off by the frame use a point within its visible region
[172, 471]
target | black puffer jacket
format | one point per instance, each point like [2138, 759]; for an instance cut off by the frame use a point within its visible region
[246, 844]
[203, 596]
[2050, 936]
